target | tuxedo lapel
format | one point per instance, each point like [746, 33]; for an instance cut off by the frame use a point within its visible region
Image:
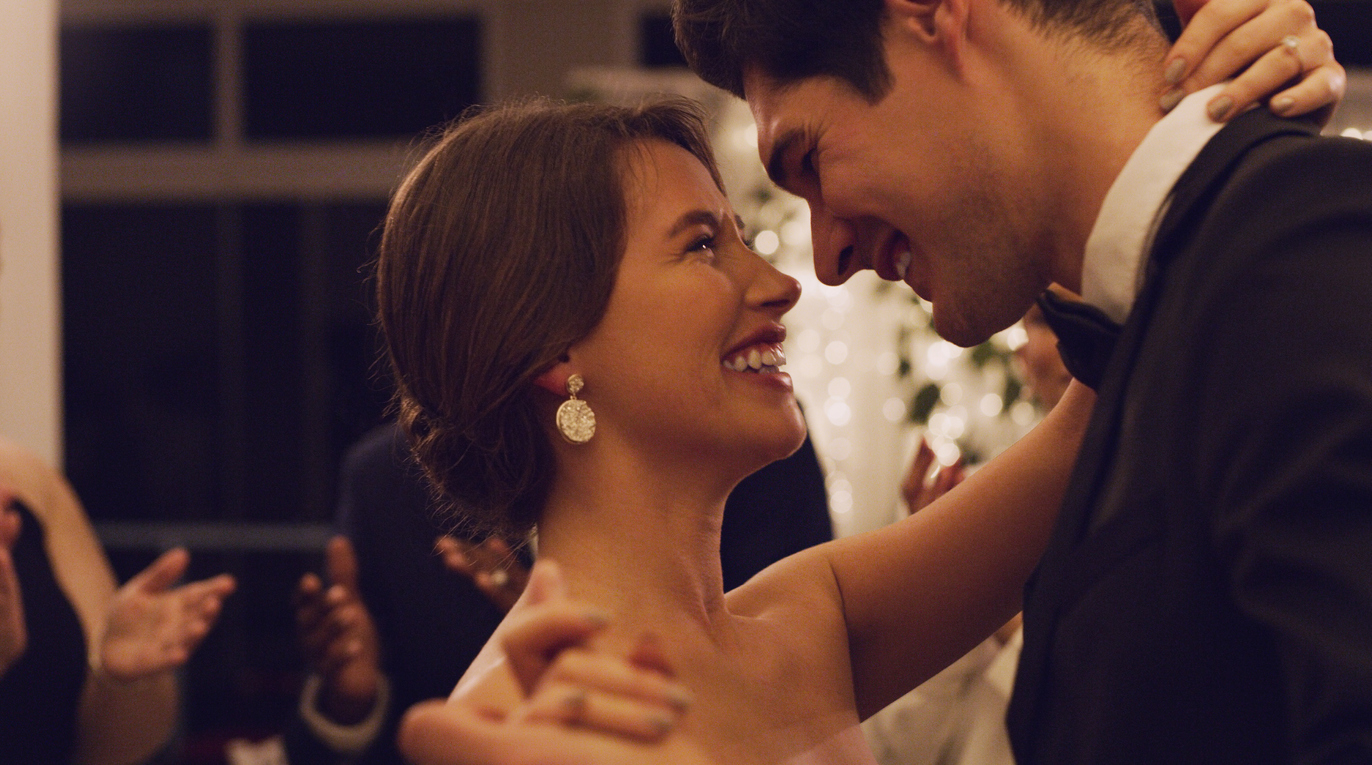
[1053, 584]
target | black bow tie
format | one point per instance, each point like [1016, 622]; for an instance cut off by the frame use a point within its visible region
[1086, 336]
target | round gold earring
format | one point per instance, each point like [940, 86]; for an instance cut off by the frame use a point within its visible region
[575, 420]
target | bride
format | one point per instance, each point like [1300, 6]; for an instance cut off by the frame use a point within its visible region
[545, 260]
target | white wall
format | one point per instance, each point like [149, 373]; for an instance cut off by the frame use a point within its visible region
[30, 342]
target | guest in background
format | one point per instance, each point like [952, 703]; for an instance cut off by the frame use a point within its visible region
[87, 671]
[402, 616]
[957, 717]
[389, 625]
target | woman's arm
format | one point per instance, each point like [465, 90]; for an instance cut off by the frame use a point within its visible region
[117, 723]
[920, 593]
[136, 635]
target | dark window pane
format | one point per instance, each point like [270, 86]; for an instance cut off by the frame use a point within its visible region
[358, 375]
[657, 44]
[141, 360]
[272, 362]
[137, 83]
[358, 79]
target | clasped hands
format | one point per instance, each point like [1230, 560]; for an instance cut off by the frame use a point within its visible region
[574, 694]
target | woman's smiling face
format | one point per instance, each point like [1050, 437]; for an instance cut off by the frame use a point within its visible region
[688, 352]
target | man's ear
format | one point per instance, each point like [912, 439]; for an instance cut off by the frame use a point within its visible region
[940, 24]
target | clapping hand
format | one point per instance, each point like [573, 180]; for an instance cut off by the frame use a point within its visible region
[14, 637]
[338, 636]
[152, 626]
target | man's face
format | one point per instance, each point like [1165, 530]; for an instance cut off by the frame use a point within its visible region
[923, 186]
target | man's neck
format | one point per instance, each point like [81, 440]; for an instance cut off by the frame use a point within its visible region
[1085, 111]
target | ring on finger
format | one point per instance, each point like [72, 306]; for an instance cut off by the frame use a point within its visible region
[575, 705]
[1292, 44]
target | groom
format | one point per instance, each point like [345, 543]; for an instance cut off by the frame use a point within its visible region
[1207, 595]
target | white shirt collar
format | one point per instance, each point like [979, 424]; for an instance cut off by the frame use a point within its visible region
[1112, 269]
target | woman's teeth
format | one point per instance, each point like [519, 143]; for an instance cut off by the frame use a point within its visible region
[754, 360]
[902, 264]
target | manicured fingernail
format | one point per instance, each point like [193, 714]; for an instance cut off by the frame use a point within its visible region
[575, 701]
[1219, 108]
[680, 699]
[660, 725]
[1175, 70]
[1283, 105]
[596, 618]
[1171, 98]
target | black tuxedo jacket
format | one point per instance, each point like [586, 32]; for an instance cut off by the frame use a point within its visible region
[1207, 593]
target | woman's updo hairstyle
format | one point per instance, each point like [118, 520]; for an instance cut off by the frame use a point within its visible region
[499, 253]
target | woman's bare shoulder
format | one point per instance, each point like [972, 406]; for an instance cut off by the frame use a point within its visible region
[489, 683]
[801, 585]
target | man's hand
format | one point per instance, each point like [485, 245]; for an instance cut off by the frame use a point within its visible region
[151, 626]
[1268, 44]
[338, 636]
[14, 636]
[491, 565]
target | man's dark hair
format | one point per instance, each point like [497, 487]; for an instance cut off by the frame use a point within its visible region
[792, 40]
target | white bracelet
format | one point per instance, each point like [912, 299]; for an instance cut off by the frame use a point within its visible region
[344, 739]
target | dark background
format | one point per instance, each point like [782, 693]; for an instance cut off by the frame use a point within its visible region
[220, 355]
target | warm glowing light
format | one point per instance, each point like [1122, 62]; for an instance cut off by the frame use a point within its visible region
[938, 424]
[840, 449]
[836, 352]
[840, 299]
[1022, 413]
[796, 232]
[809, 366]
[838, 411]
[956, 427]
[832, 319]
[947, 453]
[748, 137]
[887, 363]
[766, 242]
[841, 502]
[951, 394]
[839, 387]
[808, 341]
[942, 352]
[1015, 337]
[992, 404]
[893, 410]
[840, 492]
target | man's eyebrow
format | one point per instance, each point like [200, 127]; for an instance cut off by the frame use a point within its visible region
[700, 217]
[776, 163]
